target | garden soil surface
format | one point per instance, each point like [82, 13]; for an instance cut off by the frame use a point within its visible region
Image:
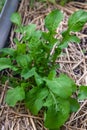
[73, 62]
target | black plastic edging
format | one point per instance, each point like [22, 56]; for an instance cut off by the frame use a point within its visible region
[5, 24]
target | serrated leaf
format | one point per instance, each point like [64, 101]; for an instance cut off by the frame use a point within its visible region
[56, 118]
[26, 73]
[35, 99]
[14, 95]
[16, 18]
[62, 86]
[74, 105]
[82, 93]
[53, 19]
[77, 20]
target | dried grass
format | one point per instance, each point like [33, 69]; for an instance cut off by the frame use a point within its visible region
[73, 62]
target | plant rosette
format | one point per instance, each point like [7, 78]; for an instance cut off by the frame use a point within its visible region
[33, 66]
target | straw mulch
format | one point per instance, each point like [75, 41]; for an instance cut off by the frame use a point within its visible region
[73, 62]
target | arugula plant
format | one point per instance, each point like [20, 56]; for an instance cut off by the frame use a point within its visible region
[33, 66]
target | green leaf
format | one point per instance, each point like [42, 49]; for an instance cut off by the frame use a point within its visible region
[82, 93]
[49, 101]
[26, 73]
[37, 34]
[62, 86]
[21, 48]
[23, 60]
[52, 75]
[75, 23]
[49, 37]
[16, 18]
[29, 31]
[74, 105]
[34, 44]
[56, 118]
[38, 79]
[74, 39]
[14, 95]
[6, 63]
[53, 19]
[7, 51]
[67, 38]
[35, 99]
[77, 20]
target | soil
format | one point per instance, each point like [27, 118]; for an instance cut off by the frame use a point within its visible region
[73, 62]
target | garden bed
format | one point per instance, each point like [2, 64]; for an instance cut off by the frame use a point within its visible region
[73, 62]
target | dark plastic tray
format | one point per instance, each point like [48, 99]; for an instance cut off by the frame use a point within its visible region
[5, 24]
